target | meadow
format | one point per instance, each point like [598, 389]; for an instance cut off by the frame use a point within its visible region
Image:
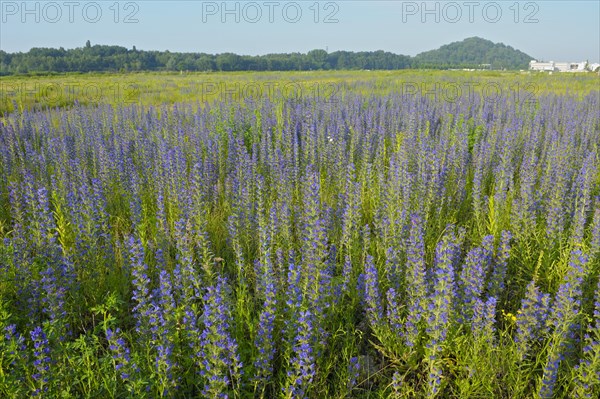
[407, 234]
[18, 93]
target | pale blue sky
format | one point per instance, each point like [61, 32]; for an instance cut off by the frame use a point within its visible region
[557, 30]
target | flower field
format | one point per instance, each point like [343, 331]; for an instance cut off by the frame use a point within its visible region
[373, 245]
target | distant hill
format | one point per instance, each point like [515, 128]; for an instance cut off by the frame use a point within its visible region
[471, 53]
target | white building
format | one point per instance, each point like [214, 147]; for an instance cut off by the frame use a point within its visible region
[562, 66]
[579, 66]
[541, 66]
[552, 66]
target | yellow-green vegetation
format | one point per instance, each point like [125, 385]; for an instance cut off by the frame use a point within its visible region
[60, 91]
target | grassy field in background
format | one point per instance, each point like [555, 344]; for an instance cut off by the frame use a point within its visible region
[39, 92]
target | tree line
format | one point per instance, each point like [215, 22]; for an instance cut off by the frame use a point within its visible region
[102, 58]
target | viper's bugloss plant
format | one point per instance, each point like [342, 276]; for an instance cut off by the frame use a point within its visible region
[41, 363]
[219, 362]
[438, 311]
[302, 367]
[563, 319]
[587, 372]
[284, 245]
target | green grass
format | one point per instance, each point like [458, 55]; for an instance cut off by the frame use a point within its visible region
[38, 92]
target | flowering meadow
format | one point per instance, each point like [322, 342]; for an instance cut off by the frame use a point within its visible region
[363, 246]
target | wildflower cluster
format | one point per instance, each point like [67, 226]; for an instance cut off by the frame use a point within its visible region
[378, 246]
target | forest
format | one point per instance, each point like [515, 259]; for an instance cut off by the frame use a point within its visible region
[470, 53]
